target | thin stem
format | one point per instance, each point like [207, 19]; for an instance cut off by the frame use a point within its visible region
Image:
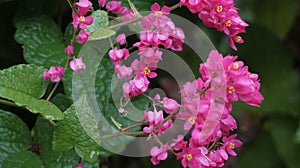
[9, 103]
[136, 134]
[133, 126]
[202, 92]
[111, 43]
[175, 6]
[124, 23]
[53, 91]
[52, 123]
[158, 140]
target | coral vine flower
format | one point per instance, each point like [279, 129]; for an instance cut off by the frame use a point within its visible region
[156, 9]
[77, 65]
[231, 143]
[121, 39]
[170, 105]
[159, 154]
[101, 3]
[114, 6]
[83, 6]
[79, 166]
[83, 36]
[69, 50]
[81, 21]
[54, 74]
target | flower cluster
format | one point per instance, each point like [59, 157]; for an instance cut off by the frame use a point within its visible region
[80, 20]
[157, 29]
[80, 23]
[55, 73]
[210, 143]
[219, 14]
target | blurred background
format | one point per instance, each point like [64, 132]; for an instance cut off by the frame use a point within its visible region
[271, 133]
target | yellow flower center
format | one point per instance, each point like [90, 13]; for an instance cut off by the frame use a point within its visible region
[158, 14]
[231, 89]
[238, 39]
[235, 66]
[230, 146]
[81, 19]
[189, 157]
[147, 71]
[192, 120]
[219, 9]
[228, 23]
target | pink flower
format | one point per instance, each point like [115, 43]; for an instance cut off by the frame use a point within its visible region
[79, 166]
[114, 6]
[69, 50]
[170, 105]
[81, 21]
[123, 71]
[154, 119]
[102, 3]
[156, 9]
[219, 14]
[54, 74]
[179, 143]
[194, 157]
[231, 143]
[121, 39]
[118, 55]
[159, 154]
[77, 64]
[83, 6]
[83, 36]
[136, 86]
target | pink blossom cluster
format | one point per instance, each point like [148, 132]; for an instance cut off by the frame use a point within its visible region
[117, 8]
[157, 29]
[219, 14]
[80, 20]
[197, 98]
[156, 120]
[55, 73]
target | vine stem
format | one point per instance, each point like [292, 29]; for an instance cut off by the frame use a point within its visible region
[9, 103]
[175, 6]
[53, 91]
[124, 23]
[136, 134]
[133, 126]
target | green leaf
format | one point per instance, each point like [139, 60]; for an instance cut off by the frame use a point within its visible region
[260, 153]
[61, 101]
[42, 41]
[279, 80]
[14, 137]
[101, 34]
[43, 137]
[22, 160]
[133, 8]
[283, 131]
[69, 134]
[48, 110]
[100, 21]
[277, 15]
[24, 78]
